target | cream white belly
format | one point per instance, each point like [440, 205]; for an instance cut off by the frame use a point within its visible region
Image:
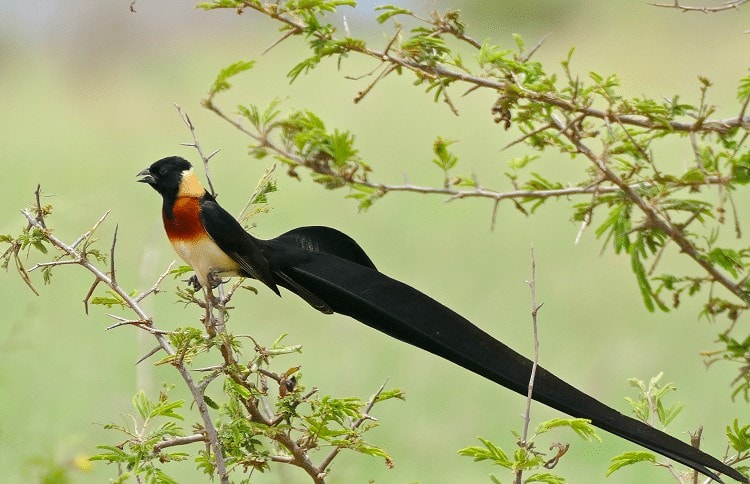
[204, 256]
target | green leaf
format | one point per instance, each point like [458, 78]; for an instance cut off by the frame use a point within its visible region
[148, 409]
[221, 83]
[489, 452]
[113, 299]
[113, 454]
[643, 283]
[728, 259]
[739, 437]
[521, 161]
[545, 477]
[390, 394]
[629, 458]
[493, 55]
[580, 426]
[390, 11]
[219, 4]
[445, 159]
[741, 169]
[743, 91]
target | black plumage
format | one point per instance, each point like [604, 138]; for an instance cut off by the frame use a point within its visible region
[332, 273]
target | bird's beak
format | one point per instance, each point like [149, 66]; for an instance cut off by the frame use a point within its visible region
[147, 177]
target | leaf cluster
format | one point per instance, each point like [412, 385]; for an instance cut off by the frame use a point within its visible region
[526, 457]
[157, 422]
[649, 407]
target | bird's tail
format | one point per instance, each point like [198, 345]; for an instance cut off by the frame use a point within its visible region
[403, 312]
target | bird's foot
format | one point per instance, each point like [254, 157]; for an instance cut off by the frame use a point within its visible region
[193, 282]
[213, 279]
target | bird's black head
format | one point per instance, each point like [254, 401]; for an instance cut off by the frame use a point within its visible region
[165, 175]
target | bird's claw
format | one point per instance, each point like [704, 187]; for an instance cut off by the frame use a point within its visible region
[213, 279]
[193, 282]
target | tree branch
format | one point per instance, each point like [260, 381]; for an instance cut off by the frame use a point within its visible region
[729, 5]
[653, 217]
[80, 258]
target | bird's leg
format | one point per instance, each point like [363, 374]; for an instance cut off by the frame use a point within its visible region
[213, 278]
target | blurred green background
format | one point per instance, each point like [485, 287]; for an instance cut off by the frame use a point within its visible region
[86, 101]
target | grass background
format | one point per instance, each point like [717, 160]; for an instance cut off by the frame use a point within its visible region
[86, 93]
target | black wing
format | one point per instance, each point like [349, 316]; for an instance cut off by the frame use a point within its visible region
[254, 255]
[403, 312]
[299, 245]
[317, 238]
[229, 235]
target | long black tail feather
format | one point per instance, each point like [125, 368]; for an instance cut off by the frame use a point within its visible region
[405, 313]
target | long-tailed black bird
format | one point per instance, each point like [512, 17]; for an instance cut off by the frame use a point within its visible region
[334, 275]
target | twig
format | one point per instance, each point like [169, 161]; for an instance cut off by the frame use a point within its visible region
[361, 94]
[39, 212]
[536, 47]
[155, 288]
[112, 255]
[729, 5]
[196, 144]
[89, 294]
[262, 183]
[281, 39]
[51, 264]
[188, 439]
[148, 355]
[144, 324]
[535, 362]
[452, 193]
[87, 235]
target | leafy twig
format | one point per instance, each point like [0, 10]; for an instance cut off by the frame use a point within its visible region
[147, 324]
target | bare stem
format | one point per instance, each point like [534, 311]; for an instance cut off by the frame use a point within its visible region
[196, 144]
[188, 439]
[535, 362]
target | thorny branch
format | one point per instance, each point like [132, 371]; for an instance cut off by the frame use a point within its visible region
[453, 193]
[143, 321]
[729, 5]
[433, 71]
[657, 221]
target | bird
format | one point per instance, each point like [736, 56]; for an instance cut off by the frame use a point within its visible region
[333, 274]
